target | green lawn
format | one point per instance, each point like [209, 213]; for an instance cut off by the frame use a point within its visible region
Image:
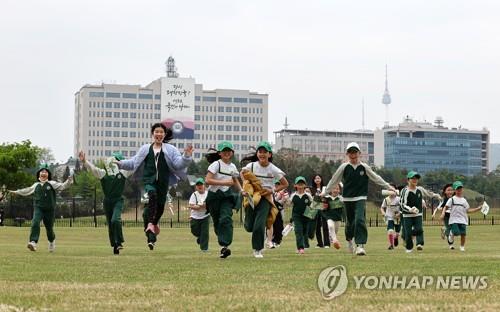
[83, 275]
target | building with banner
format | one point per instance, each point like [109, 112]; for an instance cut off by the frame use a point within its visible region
[118, 117]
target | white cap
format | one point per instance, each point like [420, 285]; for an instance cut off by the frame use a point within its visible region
[352, 145]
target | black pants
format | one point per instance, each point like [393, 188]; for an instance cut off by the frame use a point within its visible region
[278, 228]
[322, 234]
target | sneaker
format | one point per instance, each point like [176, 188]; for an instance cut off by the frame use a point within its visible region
[270, 245]
[151, 245]
[462, 248]
[350, 246]
[318, 246]
[336, 244]
[326, 246]
[116, 251]
[451, 239]
[360, 251]
[442, 232]
[396, 241]
[150, 228]
[258, 254]
[204, 250]
[300, 251]
[390, 247]
[420, 247]
[276, 245]
[225, 252]
[452, 247]
[52, 246]
[409, 250]
[32, 246]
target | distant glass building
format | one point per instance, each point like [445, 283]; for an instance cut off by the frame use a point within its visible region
[425, 147]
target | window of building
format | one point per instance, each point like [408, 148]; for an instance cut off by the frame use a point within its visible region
[109, 114]
[240, 100]
[244, 110]
[229, 118]
[220, 118]
[157, 97]
[228, 137]
[157, 116]
[107, 143]
[229, 109]
[133, 115]
[116, 114]
[116, 143]
[243, 119]
[124, 134]
[236, 128]
[197, 117]
[220, 137]
[145, 96]
[96, 94]
[132, 134]
[112, 95]
[209, 99]
[225, 99]
[236, 118]
[129, 95]
[116, 134]
[220, 109]
[243, 128]
[236, 109]
[236, 137]
[256, 101]
[124, 114]
[133, 105]
[197, 98]
[244, 138]
[109, 105]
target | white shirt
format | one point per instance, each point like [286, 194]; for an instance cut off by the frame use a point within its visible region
[458, 210]
[222, 172]
[391, 206]
[198, 199]
[267, 174]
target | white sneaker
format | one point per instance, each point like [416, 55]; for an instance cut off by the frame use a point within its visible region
[409, 250]
[258, 254]
[326, 247]
[52, 246]
[462, 248]
[451, 239]
[350, 246]
[32, 246]
[452, 247]
[420, 247]
[360, 251]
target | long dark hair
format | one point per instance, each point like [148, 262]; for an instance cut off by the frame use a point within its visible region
[169, 135]
[49, 177]
[313, 184]
[252, 156]
[444, 189]
[212, 155]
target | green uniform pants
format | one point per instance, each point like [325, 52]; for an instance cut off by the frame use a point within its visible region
[255, 222]
[300, 227]
[222, 216]
[411, 226]
[113, 210]
[199, 228]
[48, 216]
[355, 221]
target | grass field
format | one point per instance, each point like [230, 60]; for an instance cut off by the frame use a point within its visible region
[83, 275]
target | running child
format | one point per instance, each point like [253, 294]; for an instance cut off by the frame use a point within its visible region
[44, 199]
[300, 200]
[200, 218]
[390, 211]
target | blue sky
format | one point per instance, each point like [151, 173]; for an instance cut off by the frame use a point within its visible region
[315, 59]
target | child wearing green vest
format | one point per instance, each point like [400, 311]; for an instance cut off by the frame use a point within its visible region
[264, 170]
[45, 203]
[222, 174]
[163, 166]
[112, 183]
[411, 207]
[200, 218]
[355, 175]
[300, 200]
[332, 213]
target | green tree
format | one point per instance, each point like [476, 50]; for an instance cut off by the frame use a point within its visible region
[15, 161]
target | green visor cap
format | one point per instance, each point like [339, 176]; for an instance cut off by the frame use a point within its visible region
[199, 181]
[43, 167]
[118, 155]
[300, 178]
[457, 185]
[413, 174]
[225, 145]
[265, 145]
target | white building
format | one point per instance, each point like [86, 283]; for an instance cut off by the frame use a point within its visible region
[326, 145]
[118, 117]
